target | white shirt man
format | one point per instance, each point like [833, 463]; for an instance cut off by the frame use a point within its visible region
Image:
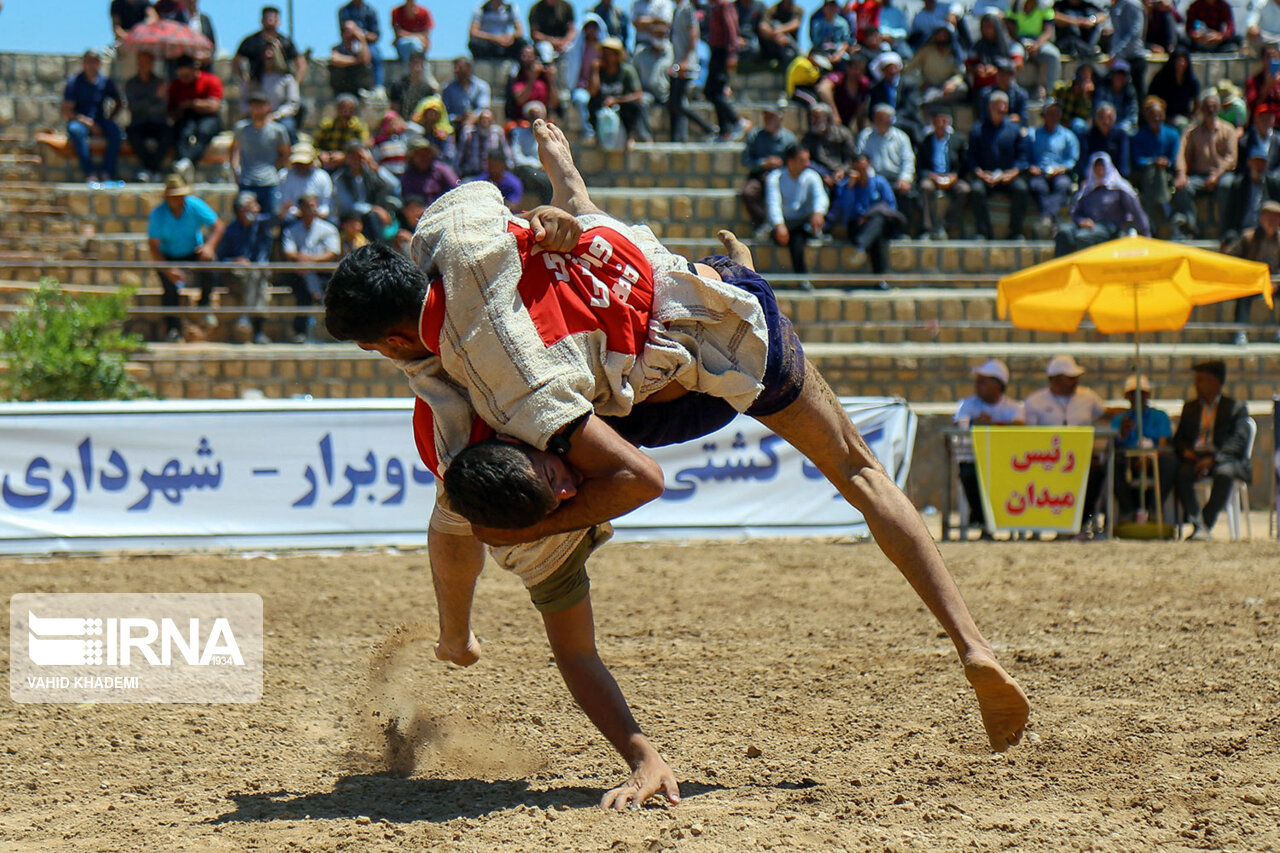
[1064, 402]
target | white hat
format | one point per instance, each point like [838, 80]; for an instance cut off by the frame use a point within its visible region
[994, 369]
[1131, 384]
[1064, 365]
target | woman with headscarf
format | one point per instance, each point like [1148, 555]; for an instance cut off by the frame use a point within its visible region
[1104, 208]
[431, 116]
[1177, 85]
[992, 45]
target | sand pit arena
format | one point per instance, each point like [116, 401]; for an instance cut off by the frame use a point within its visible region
[803, 696]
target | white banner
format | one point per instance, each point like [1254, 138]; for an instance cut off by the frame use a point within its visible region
[272, 474]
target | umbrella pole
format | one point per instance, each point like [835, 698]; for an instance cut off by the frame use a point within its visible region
[1137, 369]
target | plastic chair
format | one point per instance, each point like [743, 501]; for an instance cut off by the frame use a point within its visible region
[1238, 500]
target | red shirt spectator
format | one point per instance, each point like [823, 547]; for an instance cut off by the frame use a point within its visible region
[1214, 14]
[418, 20]
[204, 85]
[865, 12]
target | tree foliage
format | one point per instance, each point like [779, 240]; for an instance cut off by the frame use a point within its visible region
[61, 346]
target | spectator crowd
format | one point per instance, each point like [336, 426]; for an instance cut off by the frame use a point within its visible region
[1080, 159]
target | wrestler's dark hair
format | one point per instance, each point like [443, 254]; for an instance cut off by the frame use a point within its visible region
[493, 483]
[374, 290]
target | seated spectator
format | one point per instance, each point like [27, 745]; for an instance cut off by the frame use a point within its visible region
[1264, 24]
[1032, 23]
[1154, 152]
[1079, 25]
[893, 27]
[583, 54]
[1211, 27]
[927, 21]
[127, 14]
[305, 177]
[940, 69]
[259, 152]
[1206, 161]
[1065, 403]
[408, 218]
[991, 48]
[496, 31]
[615, 83]
[761, 155]
[351, 234]
[901, 93]
[1261, 133]
[391, 143]
[998, 153]
[195, 107]
[1105, 208]
[412, 25]
[417, 83]
[336, 132]
[251, 58]
[176, 233]
[351, 63]
[1163, 24]
[849, 91]
[750, 14]
[1127, 20]
[1006, 82]
[831, 146]
[654, 53]
[149, 132]
[940, 160]
[829, 32]
[1075, 96]
[616, 21]
[309, 240]
[374, 193]
[477, 141]
[552, 28]
[1157, 434]
[365, 18]
[1261, 243]
[497, 173]
[426, 176]
[1117, 91]
[247, 242]
[1211, 442]
[892, 155]
[805, 75]
[989, 406]
[281, 88]
[430, 117]
[466, 94]
[533, 81]
[797, 204]
[1233, 110]
[1055, 151]
[90, 101]
[1263, 88]
[1178, 86]
[864, 204]
[1251, 190]
[780, 33]
[1104, 136]
[525, 162]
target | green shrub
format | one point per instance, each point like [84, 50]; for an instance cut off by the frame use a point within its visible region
[65, 347]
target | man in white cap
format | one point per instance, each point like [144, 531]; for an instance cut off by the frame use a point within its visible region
[989, 405]
[1066, 403]
[1157, 433]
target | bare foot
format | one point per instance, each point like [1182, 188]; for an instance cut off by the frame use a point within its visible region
[1003, 705]
[651, 776]
[736, 249]
[569, 190]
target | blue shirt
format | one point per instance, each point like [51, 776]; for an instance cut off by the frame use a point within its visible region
[1147, 146]
[788, 199]
[1057, 149]
[366, 17]
[90, 97]
[459, 99]
[853, 200]
[823, 32]
[1155, 426]
[252, 241]
[926, 21]
[509, 185]
[180, 236]
[998, 148]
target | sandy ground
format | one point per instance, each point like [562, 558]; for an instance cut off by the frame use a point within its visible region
[801, 692]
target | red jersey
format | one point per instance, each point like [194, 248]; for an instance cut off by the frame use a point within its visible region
[419, 22]
[205, 85]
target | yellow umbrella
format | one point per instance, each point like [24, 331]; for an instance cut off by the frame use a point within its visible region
[1134, 284]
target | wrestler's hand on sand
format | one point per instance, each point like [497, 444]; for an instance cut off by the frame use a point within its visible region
[462, 654]
[650, 776]
[1001, 701]
[554, 230]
